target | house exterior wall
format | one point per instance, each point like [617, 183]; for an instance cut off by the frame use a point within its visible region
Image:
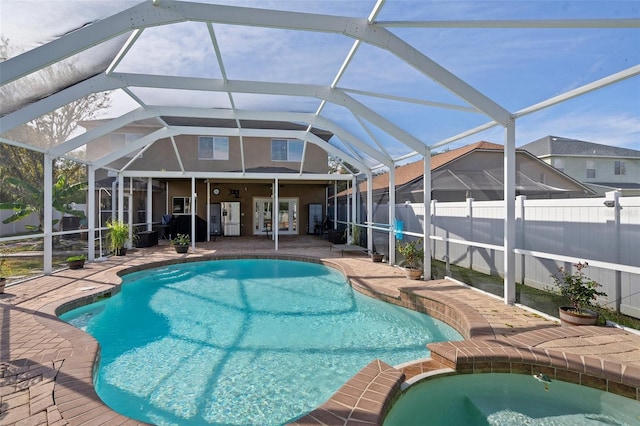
[161, 156]
[304, 192]
[576, 167]
[257, 155]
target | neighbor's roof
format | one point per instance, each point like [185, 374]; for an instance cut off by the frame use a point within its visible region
[413, 172]
[555, 146]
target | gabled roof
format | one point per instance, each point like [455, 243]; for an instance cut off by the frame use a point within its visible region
[413, 171]
[555, 146]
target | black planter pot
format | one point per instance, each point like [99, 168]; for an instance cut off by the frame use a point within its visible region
[76, 264]
[122, 251]
[182, 249]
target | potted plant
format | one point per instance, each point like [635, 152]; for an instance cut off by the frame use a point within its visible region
[376, 257]
[118, 236]
[181, 243]
[76, 262]
[413, 254]
[581, 291]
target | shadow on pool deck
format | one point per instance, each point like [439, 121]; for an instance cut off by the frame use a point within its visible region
[46, 365]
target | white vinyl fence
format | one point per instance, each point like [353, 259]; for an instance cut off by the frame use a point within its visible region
[549, 234]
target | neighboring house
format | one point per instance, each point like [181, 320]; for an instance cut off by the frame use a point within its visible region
[601, 167]
[476, 171]
[227, 169]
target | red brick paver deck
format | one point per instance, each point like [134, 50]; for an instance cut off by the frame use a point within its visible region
[46, 365]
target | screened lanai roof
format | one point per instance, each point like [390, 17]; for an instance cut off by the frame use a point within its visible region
[388, 79]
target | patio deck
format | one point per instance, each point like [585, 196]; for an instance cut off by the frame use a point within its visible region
[46, 366]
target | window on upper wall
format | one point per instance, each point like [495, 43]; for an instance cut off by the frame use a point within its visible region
[120, 140]
[286, 150]
[558, 163]
[619, 168]
[591, 169]
[213, 148]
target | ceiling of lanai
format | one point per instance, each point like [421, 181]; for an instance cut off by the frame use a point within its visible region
[390, 79]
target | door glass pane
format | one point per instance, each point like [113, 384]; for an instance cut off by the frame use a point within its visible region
[283, 216]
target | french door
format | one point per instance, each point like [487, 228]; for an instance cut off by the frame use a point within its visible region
[286, 216]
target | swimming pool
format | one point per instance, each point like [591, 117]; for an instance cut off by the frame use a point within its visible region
[247, 341]
[508, 399]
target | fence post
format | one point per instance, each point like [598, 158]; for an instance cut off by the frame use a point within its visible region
[612, 200]
[470, 232]
[520, 235]
[434, 228]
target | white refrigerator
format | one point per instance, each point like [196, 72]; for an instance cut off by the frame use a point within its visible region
[231, 218]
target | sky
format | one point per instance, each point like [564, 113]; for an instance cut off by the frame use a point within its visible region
[516, 68]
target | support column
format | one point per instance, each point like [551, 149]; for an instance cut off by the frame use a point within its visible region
[48, 214]
[510, 213]
[120, 189]
[193, 213]
[470, 232]
[369, 211]
[274, 213]
[335, 204]
[348, 214]
[91, 214]
[354, 210]
[392, 215]
[426, 201]
[149, 207]
[130, 218]
[208, 210]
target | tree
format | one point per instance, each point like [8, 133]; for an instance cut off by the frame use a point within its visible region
[22, 170]
[63, 198]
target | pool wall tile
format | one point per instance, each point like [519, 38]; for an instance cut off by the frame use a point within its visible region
[519, 368]
[623, 390]
[500, 367]
[593, 382]
[568, 376]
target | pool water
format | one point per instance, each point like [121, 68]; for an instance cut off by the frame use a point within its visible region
[249, 341]
[508, 399]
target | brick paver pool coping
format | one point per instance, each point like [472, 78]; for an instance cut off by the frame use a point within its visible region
[46, 365]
